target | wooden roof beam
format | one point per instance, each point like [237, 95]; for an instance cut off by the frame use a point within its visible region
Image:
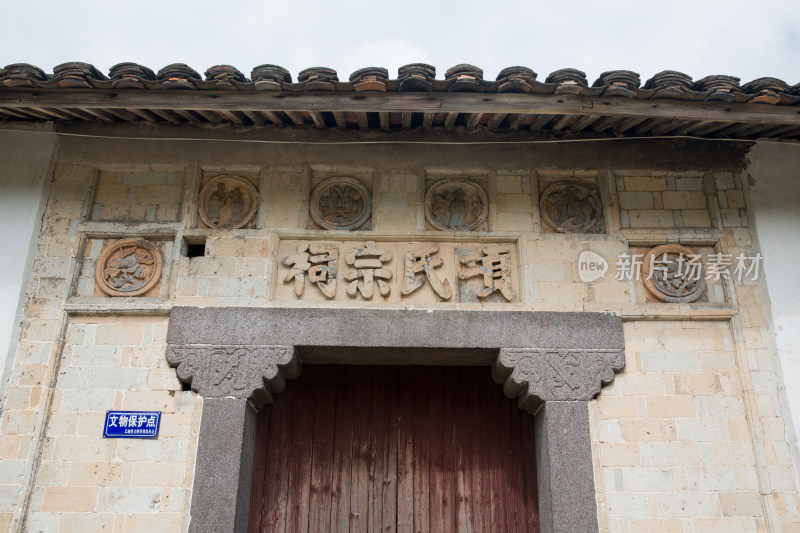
[538, 104]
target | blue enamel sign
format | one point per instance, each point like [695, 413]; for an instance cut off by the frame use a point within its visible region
[132, 424]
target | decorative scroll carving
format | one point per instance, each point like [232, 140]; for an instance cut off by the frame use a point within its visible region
[320, 261]
[228, 202]
[368, 262]
[572, 207]
[673, 273]
[340, 203]
[419, 264]
[247, 372]
[495, 267]
[128, 267]
[456, 205]
[538, 375]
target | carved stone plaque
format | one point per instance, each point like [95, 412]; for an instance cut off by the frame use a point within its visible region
[228, 202]
[572, 207]
[128, 267]
[391, 271]
[340, 203]
[456, 205]
[673, 273]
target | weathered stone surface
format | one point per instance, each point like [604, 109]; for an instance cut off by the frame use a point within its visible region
[223, 475]
[368, 270]
[340, 203]
[246, 372]
[536, 376]
[674, 273]
[228, 202]
[128, 267]
[572, 207]
[400, 328]
[320, 261]
[419, 265]
[494, 268]
[564, 469]
[456, 205]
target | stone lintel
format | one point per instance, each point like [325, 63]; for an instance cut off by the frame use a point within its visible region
[393, 328]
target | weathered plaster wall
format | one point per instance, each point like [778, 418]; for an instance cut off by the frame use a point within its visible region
[773, 173]
[690, 437]
[26, 156]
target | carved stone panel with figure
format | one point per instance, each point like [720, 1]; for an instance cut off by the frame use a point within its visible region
[341, 203]
[228, 202]
[456, 205]
[572, 207]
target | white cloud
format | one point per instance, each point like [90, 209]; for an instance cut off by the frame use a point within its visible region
[696, 37]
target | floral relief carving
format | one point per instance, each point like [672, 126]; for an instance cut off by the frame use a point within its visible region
[228, 202]
[572, 207]
[673, 273]
[340, 203]
[456, 205]
[248, 372]
[538, 375]
[128, 267]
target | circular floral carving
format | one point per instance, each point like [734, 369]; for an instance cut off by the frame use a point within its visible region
[128, 267]
[228, 202]
[673, 273]
[572, 207]
[459, 205]
[340, 203]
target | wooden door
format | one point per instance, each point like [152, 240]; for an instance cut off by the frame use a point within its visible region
[380, 448]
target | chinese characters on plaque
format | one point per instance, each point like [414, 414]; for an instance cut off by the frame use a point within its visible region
[132, 424]
[398, 271]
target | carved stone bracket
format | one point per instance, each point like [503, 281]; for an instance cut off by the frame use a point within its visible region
[539, 375]
[252, 372]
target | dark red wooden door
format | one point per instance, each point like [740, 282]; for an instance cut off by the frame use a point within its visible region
[406, 449]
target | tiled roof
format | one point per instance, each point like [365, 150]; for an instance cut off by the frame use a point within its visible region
[412, 78]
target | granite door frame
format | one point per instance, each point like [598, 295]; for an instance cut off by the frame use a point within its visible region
[237, 358]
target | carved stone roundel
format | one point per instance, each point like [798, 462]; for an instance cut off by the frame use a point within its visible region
[456, 205]
[228, 202]
[572, 207]
[128, 267]
[340, 203]
[673, 273]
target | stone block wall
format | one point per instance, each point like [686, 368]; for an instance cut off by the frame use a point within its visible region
[88, 483]
[690, 437]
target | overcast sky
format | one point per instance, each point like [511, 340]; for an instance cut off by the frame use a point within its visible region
[742, 38]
